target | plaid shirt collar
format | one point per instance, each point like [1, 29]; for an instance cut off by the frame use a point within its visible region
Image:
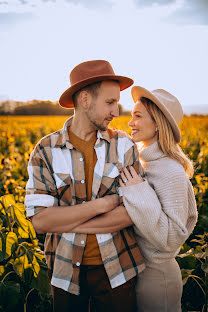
[63, 139]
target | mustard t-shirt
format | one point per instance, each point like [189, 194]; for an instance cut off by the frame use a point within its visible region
[91, 253]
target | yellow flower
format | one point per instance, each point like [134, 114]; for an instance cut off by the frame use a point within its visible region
[40, 256]
[1, 223]
[8, 200]
[10, 240]
[22, 219]
[1, 269]
[21, 264]
[20, 207]
[23, 233]
[36, 266]
[35, 242]
[31, 230]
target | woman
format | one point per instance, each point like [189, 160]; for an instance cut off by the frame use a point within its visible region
[162, 205]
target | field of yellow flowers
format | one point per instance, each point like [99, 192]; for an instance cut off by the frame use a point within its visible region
[23, 273]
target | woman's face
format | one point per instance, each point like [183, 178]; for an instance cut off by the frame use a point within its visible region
[142, 126]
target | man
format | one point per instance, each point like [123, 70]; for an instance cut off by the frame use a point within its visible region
[73, 176]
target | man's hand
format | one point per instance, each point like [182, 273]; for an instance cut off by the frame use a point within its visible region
[129, 177]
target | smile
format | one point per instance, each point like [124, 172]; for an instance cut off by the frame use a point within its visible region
[134, 131]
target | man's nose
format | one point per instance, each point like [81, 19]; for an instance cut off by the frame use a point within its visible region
[115, 111]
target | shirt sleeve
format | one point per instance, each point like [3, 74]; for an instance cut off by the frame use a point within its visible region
[164, 216]
[41, 189]
[131, 158]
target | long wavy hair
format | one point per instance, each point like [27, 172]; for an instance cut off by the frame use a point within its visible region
[166, 138]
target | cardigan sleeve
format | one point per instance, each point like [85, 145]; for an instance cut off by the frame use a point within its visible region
[164, 216]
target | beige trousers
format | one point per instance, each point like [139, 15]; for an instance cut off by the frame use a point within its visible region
[159, 288]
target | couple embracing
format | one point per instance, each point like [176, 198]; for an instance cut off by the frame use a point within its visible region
[116, 213]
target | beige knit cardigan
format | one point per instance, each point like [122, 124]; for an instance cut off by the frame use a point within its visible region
[163, 207]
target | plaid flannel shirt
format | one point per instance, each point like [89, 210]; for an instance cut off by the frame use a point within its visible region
[57, 178]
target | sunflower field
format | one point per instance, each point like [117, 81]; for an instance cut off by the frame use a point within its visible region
[24, 283]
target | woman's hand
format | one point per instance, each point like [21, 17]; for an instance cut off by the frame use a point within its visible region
[109, 202]
[129, 177]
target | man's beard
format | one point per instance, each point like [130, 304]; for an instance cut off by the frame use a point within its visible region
[98, 127]
[90, 115]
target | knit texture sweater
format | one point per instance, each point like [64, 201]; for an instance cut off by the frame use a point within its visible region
[162, 208]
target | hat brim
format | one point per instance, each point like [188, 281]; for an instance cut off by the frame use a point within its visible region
[66, 98]
[137, 92]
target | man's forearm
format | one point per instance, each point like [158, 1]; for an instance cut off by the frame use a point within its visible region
[109, 222]
[62, 219]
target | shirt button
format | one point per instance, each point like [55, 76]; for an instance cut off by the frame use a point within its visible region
[82, 242]
[81, 159]
[82, 181]
[78, 264]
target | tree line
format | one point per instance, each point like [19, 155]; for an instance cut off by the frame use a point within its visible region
[40, 107]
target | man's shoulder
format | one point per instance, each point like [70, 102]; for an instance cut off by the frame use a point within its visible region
[51, 139]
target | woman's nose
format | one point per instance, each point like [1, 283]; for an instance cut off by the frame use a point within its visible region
[130, 123]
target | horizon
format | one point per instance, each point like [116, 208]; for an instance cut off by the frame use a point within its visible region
[188, 110]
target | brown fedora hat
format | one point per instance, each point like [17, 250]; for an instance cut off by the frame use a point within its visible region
[90, 72]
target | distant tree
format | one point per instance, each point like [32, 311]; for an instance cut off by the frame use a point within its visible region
[37, 107]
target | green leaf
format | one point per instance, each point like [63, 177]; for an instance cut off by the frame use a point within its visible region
[186, 273]
[10, 295]
[3, 252]
[197, 241]
[204, 267]
[184, 281]
[42, 282]
[21, 252]
[190, 252]
[199, 255]
[199, 235]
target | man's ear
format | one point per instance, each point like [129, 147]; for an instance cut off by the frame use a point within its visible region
[84, 99]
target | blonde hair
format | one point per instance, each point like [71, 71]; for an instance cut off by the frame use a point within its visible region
[166, 138]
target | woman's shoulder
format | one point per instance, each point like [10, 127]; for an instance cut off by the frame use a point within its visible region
[168, 167]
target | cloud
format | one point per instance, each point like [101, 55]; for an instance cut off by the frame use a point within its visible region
[153, 2]
[138, 41]
[193, 12]
[93, 3]
[189, 12]
[7, 18]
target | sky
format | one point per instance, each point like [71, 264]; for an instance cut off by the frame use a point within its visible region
[161, 44]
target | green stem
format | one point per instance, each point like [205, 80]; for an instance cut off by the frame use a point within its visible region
[7, 275]
[206, 292]
[25, 304]
[194, 278]
[7, 217]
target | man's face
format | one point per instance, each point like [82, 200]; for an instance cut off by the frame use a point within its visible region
[104, 107]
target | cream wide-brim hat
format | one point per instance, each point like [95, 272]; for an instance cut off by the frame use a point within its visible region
[166, 102]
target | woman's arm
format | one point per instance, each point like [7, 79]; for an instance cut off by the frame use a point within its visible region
[109, 222]
[166, 215]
